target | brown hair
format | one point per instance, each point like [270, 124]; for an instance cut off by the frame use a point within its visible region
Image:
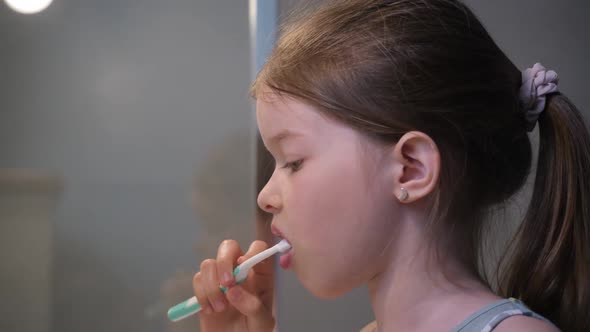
[388, 67]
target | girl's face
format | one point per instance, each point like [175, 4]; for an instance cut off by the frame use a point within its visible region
[330, 195]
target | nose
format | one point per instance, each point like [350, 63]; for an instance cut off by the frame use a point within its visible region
[268, 199]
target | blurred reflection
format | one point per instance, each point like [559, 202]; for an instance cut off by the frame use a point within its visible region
[221, 185]
[129, 104]
[28, 200]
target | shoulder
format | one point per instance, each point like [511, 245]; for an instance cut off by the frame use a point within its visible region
[525, 324]
[370, 327]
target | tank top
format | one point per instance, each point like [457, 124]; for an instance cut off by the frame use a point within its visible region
[488, 317]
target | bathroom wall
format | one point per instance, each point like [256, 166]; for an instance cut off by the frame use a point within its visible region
[141, 109]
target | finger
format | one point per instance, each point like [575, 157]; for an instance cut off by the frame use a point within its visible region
[200, 294]
[211, 284]
[227, 255]
[251, 306]
[265, 267]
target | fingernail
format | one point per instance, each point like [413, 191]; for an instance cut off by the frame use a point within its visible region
[219, 305]
[227, 279]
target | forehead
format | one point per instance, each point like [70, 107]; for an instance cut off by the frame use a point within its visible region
[280, 115]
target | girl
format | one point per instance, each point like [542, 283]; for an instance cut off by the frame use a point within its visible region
[396, 127]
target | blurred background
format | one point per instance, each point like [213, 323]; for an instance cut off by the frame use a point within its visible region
[128, 152]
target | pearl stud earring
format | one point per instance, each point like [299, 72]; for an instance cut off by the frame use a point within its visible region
[404, 194]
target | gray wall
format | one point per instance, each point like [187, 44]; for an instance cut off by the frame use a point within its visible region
[142, 109]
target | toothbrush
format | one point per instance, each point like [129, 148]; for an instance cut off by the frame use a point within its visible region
[192, 306]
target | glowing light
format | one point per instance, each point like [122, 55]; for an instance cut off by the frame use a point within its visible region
[28, 6]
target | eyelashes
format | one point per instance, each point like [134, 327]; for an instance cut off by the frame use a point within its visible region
[294, 166]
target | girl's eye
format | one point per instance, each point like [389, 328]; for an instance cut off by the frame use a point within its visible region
[294, 165]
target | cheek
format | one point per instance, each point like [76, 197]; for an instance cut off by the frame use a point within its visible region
[333, 213]
[321, 200]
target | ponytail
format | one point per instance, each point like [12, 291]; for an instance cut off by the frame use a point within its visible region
[549, 263]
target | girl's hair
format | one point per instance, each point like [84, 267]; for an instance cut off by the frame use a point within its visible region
[389, 67]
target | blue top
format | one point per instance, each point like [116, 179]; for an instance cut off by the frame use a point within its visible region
[488, 317]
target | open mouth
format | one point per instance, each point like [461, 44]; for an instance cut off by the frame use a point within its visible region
[286, 258]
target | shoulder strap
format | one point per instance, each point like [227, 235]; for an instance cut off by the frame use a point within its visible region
[488, 317]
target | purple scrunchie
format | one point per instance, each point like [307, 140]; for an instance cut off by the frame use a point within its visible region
[537, 82]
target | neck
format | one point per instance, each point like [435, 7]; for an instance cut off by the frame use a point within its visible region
[412, 288]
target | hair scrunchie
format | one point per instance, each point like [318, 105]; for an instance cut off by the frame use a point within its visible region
[537, 82]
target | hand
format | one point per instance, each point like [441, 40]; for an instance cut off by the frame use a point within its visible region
[244, 307]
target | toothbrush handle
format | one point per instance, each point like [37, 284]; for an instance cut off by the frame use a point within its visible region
[192, 306]
[184, 309]
[189, 307]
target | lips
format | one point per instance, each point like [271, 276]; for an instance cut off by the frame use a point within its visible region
[286, 258]
[276, 231]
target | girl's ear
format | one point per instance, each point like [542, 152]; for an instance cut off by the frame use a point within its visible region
[417, 166]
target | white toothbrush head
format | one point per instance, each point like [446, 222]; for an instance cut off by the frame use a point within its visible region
[241, 271]
[283, 246]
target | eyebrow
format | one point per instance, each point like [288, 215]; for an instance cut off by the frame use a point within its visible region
[283, 135]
